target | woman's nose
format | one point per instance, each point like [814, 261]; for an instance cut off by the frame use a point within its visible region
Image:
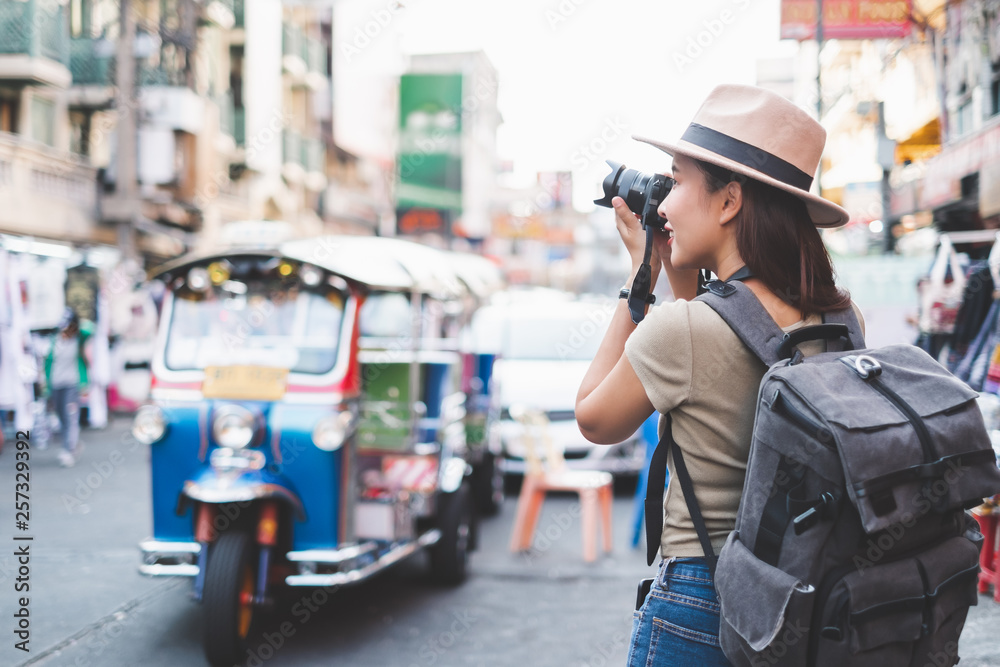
[661, 210]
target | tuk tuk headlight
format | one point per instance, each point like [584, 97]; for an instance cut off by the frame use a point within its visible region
[331, 432]
[149, 424]
[233, 426]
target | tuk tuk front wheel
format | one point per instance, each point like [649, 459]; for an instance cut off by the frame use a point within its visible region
[449, 557]
[489, 487]
[230, 583]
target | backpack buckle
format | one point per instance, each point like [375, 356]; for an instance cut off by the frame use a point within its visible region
[867, 366]
[720, 288]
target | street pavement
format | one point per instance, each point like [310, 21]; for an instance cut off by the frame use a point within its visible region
[89, 606]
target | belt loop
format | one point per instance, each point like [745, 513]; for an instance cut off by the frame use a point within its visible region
[661, 576]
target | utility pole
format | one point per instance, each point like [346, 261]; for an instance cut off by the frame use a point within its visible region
[819, 85]
[125, 183]
[886, 158]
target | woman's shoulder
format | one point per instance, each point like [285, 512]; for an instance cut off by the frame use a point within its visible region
[692, 318]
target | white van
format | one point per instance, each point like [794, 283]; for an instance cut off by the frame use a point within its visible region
[545, 341]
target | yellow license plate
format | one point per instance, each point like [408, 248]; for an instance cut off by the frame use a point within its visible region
[251, 383]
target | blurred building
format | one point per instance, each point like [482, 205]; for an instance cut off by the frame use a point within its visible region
[961, 185]
[47, 188]
[447, 158]
[227, 115]
[538, 233]
[876, 74]
[910, 100]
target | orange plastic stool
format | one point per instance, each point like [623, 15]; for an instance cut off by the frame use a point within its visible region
[989, 558]
[593, 486]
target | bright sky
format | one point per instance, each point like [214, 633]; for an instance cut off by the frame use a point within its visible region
[577, 77]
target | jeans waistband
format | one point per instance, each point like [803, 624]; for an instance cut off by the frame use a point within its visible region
[689, 568]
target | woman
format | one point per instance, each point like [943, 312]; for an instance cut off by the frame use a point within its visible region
[740, 201]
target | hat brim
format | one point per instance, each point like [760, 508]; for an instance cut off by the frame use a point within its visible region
[822, 213]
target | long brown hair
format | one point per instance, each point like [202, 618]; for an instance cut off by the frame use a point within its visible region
[779, 244]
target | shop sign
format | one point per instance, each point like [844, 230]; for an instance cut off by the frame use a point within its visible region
[83, 284]
[430, 141]
[903, 199]
[422, 221]
[846, 19]
[989, 190]
[942, 180]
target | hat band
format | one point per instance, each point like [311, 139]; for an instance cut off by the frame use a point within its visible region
[747, 155]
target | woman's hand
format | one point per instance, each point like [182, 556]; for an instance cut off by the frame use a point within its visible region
[634, 237]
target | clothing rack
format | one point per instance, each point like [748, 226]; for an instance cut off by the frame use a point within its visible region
[980, 236]
[971, 236]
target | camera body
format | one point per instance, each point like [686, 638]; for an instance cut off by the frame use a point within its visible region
[642, 192]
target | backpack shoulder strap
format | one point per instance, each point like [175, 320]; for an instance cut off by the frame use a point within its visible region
[743, 312]
[848, 318]
[746, 316]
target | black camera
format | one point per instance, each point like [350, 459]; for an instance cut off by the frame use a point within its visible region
[642, 192]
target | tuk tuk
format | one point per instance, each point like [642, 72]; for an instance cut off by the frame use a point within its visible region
[316, 415]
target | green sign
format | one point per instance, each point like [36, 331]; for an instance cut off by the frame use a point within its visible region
[430, 142]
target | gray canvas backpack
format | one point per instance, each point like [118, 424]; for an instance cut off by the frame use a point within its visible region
[852, 545]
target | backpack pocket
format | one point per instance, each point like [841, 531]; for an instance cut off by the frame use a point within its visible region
[898, 613]
[765, 612]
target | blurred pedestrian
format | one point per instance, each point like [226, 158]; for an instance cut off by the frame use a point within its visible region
[739, 207]
[65, 377]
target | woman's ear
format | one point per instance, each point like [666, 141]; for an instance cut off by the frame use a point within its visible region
[732, 203]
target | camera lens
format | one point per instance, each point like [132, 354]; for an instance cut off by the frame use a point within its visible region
[642, 192]
[633, 187]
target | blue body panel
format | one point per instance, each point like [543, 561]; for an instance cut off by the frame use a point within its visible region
[304, 472]
[173, 461]
[436, 386]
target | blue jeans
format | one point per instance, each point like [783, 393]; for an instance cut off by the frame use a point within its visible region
[678, 623]
[67, 403]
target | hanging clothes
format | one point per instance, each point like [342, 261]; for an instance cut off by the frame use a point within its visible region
[976, 302]
[974, 365]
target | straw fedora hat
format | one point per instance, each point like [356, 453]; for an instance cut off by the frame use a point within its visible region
[763, 136]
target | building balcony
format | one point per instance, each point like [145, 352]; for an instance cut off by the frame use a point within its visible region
[227, 115]
[220, 13]
[91, 61]
[93, 64]
[34, 43]
[291, 147]
[239, 14]
[293, 53]
[240, 125]
[314, 164]
[291, 151]
[46, 192]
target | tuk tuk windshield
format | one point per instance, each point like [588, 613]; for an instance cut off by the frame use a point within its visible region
[294, 329]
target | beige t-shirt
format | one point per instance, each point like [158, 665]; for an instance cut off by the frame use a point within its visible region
[694, 366]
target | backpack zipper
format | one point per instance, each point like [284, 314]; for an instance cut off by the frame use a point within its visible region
[923, 435]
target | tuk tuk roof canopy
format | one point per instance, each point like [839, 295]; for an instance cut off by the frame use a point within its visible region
[378, 262]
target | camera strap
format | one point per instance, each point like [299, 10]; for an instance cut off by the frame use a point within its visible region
[638, 296]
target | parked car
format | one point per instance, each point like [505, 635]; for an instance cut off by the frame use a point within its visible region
[545, 341]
